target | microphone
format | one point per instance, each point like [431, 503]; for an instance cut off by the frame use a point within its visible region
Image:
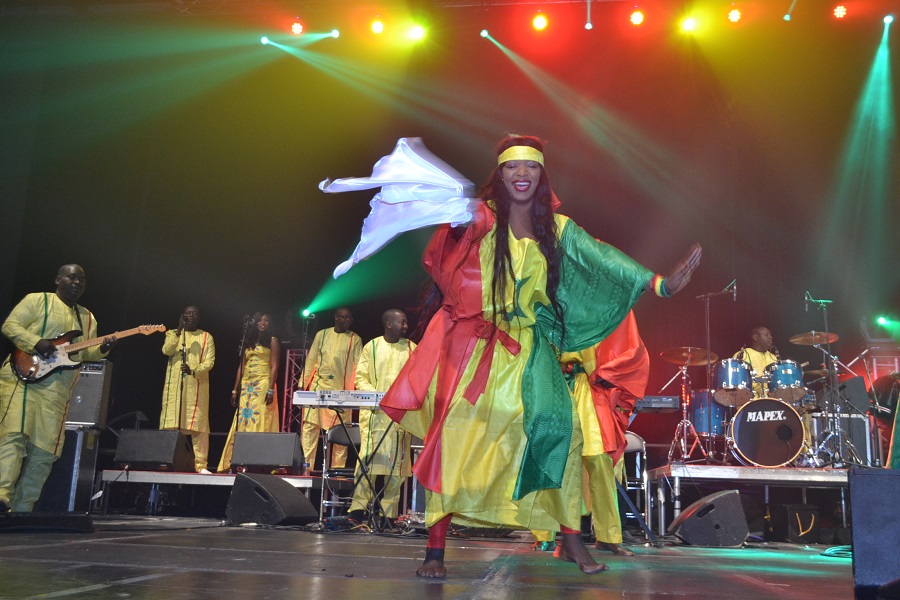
[734, 291]
[310, 317]
[806, 302]
[775, 351]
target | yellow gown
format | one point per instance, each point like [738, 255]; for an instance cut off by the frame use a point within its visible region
[252, 414]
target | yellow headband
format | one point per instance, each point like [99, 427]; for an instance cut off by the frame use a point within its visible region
[521, 153]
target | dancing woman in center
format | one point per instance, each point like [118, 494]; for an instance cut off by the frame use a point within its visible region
[483, 388]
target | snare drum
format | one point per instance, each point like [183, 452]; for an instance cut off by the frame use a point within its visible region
[786, 381]
[766, 432]
[734, 386]
[707, 417]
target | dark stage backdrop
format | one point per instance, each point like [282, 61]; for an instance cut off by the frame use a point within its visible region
[177, 159]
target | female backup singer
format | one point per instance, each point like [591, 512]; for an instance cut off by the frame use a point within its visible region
[254, 387]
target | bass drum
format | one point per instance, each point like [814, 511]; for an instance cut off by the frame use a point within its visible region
[766, 432]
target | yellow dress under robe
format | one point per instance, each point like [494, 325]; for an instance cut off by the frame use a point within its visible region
[379, 364]
[474, 429]
[252, 414]
[200, 355]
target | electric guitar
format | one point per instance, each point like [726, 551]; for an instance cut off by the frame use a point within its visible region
[34, 367]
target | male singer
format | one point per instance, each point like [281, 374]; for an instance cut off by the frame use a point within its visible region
[185, 402]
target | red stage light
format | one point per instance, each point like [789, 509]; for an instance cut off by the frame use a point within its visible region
[539, 22]
[840, 11]
[637, 17]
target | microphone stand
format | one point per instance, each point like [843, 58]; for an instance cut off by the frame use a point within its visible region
[244, 329]
[731, 288]
[835, 433]
[181, 385]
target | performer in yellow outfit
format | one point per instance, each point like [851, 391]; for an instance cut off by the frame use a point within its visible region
[385, 446]
[605, 380]
[759, 356]
[329, 365]
[254, 387]
[185, 401]
[33, 415]
[502, 443]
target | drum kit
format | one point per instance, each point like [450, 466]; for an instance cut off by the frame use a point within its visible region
[783, 425]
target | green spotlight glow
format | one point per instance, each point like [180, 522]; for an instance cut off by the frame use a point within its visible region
[889, 19]
[484, 33]
[305, 312]
[335, 33]
[264, 40]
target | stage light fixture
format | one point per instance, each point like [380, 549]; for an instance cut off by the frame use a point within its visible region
[588, 26]
[540, 22]
[889, 19]
[787, 17]
[484, 33]
[689, 24]
[263, 40]
[734, 15]
[335, 33]
[637, 17]
[377, 26]
[297, 28]
[306, 312]
[840, 11]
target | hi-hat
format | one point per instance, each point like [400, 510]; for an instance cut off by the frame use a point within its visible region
[811, 338]
[689, 356]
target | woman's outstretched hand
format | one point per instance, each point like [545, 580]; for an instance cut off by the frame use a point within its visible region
[681, 274]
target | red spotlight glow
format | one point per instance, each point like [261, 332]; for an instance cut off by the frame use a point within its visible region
[539, 22]
[297, 28]
[840, 11]
[637, 17]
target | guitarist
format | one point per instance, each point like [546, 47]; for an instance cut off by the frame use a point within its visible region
[32, 415]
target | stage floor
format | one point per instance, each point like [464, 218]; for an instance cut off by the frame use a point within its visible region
[170, 558]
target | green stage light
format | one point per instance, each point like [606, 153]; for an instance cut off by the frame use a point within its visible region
[484, 33]
[889, 19]
[335, 33]
[305, 312]
[264, 40]
[417, 32]
[882, 320]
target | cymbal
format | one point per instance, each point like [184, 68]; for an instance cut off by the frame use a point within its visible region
[815, 373]
[812, 338]
[689, 356]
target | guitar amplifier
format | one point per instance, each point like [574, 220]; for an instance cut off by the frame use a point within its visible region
[90, 397]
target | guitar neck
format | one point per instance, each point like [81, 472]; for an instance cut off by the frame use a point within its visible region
[78, 346]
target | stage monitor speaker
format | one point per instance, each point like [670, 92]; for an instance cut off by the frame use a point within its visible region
[268, 500]
[875, 526]
[268, 451]
[154, 450]
[716, 521]
[90, 396]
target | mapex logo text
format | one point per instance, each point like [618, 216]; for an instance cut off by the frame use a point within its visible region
[766, 415]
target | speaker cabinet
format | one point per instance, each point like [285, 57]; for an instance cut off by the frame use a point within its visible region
[70, 484]
[716, 521]
[268, 451]
[153, 450]
[268, 500]
[875, 527]
[90, 397]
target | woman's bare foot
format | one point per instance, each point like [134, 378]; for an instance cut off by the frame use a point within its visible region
[433, 567]
[616, 549]
[573, 550]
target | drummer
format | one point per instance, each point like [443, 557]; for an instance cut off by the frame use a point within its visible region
[760, 354]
